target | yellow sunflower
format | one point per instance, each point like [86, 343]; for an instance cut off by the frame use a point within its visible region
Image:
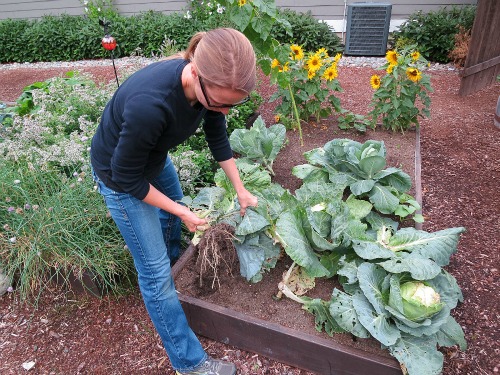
[392, 57]
[314, 63]
[284, 68]
[297, 52]
[414, 74]
[311, 74]
[390, 68]
[322, 51]
[277, 118]
[330, 73]
[275, 63]
[242, 2]
[338, 56]
[375, 81]
[415, 55]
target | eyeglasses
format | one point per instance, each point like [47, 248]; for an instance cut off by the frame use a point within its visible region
[219, 105]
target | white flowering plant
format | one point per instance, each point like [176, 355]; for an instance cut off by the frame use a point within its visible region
[56, 127]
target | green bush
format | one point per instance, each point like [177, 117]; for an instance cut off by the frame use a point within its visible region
[70, 38]
[434, 32]
[308, 32]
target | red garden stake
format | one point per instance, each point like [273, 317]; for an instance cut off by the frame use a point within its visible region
[109, 43]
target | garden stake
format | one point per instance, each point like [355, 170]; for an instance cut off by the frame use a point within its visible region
[109, 43]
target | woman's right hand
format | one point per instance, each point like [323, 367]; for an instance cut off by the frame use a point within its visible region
[190, 219]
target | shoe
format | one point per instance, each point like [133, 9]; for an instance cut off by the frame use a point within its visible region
[212, 367]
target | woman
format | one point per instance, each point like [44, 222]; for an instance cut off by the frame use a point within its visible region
[154, 110]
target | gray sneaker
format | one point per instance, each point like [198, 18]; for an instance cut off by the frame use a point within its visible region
[212, 367]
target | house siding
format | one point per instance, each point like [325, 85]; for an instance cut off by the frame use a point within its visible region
[333, 10]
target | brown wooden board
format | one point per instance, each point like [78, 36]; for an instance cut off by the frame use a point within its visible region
[482, 65]
[280, 343]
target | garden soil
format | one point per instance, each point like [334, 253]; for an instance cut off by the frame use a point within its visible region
[460, 173]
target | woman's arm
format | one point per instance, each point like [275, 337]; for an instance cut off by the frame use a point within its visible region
[160, 200]
[245, 198]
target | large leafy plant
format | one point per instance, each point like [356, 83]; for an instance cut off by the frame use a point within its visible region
[393, 285]
[361, 168]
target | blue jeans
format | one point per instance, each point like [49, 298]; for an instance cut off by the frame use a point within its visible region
[153, 238]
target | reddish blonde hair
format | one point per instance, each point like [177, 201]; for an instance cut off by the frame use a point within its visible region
[224, 57]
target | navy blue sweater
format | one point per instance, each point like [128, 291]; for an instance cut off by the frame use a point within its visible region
[148, 115]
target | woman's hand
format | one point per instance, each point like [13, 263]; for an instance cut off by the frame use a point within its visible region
[190, 219]
[245, 198]
[158, 199]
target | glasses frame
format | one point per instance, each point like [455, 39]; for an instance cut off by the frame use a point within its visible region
[204, 91]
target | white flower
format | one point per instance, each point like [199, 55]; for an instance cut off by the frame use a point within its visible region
[188, 15]
[17, 181]
[13, 239]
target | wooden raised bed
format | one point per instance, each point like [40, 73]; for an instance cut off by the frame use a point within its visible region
[286, 345]
[274, 341]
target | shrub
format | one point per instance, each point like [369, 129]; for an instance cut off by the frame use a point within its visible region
[459, 53]
[308, 32]
[434, 32]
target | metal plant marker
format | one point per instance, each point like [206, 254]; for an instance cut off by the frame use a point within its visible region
[109, 43]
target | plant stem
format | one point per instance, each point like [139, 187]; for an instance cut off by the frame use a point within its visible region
[296, 114]
[282, 284]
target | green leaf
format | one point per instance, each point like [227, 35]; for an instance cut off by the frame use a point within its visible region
[362, 186]
[256, 254]
[419, 268]
[358, 208]
[383, 200]
[372, 165]
[371, 277]
[290, 230]
[438, 246]
[252, 222]
[419, 354]
[322, 317]
[377, 324]
[451, 333]
[342, 310]
[241, 16]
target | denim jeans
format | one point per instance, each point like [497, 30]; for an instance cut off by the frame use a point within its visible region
[153, 238]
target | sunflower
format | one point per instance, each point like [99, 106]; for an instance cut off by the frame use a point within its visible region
[414, 74]
[392, 57]
[297, 52]
[275, 63]
[284, 68]
[277, 118]
[330, 73]
[311, 74]
[389, 69]
[322, 51]
[415, 55]
[314, 63]
[337, 57]
[242, 2]
[375, 81]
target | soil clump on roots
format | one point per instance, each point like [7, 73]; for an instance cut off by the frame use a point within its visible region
[217, 260]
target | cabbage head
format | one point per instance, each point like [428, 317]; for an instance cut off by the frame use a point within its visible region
[420, 301]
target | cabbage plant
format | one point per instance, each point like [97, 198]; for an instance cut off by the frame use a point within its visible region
[394, 287]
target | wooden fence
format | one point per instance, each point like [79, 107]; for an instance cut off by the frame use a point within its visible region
[482, 65]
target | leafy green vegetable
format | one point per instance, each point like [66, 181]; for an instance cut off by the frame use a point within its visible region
[259, 143]
[336, 224]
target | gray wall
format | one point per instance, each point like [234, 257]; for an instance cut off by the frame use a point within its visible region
[322, 9]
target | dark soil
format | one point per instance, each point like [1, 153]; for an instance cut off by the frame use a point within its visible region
[460, 165]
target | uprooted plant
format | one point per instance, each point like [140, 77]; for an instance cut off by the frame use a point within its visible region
[342, 222]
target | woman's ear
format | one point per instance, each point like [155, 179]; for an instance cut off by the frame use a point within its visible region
[194, 73]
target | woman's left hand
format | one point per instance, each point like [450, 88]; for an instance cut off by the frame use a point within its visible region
[245, 198]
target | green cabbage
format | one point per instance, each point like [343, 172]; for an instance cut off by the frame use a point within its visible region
[420, 301]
